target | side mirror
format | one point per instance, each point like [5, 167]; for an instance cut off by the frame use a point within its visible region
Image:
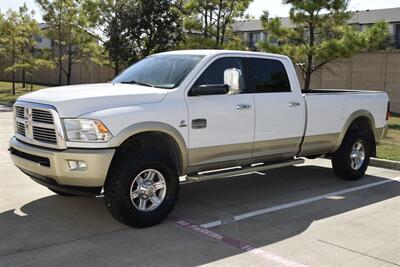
[232, 79]
[209, 89]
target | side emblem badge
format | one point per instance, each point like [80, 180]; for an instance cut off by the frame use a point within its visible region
[183, 124]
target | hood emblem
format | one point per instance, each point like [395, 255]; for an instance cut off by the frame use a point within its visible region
[28, 118]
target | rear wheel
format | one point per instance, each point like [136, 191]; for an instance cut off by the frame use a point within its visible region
[142, 189]
[350, 161]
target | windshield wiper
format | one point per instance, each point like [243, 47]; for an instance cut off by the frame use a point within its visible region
[139, 83]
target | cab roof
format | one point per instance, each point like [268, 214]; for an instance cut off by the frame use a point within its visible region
[210, 52]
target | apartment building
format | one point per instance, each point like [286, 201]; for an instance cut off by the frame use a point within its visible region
[252, 30]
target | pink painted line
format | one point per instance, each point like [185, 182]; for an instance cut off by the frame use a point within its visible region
[235, 243]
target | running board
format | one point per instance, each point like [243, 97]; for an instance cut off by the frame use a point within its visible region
[220, 174]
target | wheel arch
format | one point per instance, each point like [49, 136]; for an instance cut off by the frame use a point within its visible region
[359, 118]
[157, 130]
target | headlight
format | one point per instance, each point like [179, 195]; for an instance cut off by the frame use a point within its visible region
[85, 130]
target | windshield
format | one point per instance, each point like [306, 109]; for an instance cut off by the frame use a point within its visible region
[164, 71]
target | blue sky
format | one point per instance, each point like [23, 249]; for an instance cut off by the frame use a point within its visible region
[275, 7]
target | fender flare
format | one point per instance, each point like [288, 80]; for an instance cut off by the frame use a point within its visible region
[355, 115]
[167, 129]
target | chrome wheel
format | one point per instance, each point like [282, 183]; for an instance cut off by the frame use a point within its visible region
[148, 190]
[357, 155]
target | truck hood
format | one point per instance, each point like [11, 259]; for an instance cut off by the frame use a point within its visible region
[75, 100]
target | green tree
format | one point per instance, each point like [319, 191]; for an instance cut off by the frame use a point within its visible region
[209, 22]
[107, 16]
[320, 35]
[18, 29]
[69, 23]
[149, 26]
[10, 40]
[27, 47]
[235, 42]
[2, 34]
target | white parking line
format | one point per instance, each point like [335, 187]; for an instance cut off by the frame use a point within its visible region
[297, 203]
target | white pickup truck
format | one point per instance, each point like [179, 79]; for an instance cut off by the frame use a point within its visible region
[188, 114]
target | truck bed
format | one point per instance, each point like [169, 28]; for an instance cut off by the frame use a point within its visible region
[328, 112]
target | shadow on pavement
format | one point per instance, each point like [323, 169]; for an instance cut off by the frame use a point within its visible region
[80, 230]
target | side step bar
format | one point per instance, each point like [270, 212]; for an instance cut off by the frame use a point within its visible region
[226, 173]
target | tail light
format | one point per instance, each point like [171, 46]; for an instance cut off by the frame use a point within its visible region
[388, 112]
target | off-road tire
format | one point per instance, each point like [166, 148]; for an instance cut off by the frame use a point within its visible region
[118, 184]
[341, 161]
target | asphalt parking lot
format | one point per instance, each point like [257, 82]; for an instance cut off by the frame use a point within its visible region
[296, 216]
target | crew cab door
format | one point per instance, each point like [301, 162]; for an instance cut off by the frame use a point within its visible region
[221, 127]
[279, 107]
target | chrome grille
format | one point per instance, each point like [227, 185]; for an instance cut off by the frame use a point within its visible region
[20, 112]
[42, 116]
[38, 124]
[20, 128]
[44, 135]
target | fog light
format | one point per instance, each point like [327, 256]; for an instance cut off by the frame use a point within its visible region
[77, 165]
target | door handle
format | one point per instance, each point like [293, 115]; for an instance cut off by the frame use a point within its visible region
[294, 104]
[243, 106]
[199, 123]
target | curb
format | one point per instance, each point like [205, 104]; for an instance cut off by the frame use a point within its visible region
[6, 104]
[384, 163]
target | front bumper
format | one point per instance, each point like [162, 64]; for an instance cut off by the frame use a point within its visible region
[53, 164]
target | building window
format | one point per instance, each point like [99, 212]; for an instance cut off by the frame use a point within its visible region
[253, 39]
[38, 39]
